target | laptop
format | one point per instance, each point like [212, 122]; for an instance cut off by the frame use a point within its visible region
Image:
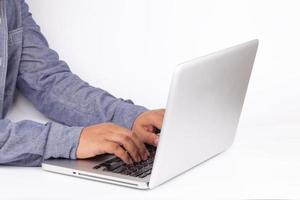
[202, 114]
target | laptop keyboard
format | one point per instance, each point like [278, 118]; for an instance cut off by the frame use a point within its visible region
[140, 169]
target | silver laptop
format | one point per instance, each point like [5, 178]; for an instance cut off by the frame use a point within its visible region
[202, 114]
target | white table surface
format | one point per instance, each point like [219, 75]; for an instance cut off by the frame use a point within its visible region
[264, 162]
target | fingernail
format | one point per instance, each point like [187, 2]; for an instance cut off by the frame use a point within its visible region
[137, 159]
[145, 156]
[130, 161]
[152, 129]
[156, 141]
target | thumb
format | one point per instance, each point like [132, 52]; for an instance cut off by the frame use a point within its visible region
[149, 137]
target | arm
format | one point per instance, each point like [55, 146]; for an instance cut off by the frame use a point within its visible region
[50, 85]
[58, 93]
[27, 143]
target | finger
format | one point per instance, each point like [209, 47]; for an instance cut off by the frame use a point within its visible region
[132, 147]
[161, 111]
[157, 121]
[148, 137]
[150, 128]
[141, 147]
[117, 150]
[127, 142]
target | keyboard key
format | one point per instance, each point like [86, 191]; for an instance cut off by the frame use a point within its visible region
[145, 174]
[114, 165]
[137, 173]
[118, 170]
[126, 172]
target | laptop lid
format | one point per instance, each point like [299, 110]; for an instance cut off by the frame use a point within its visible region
[203, 109]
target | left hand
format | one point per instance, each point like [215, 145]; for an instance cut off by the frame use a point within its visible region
[146, 124]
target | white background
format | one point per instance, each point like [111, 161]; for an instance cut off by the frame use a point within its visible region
[130, 48]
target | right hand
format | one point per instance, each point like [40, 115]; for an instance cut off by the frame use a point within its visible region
[113, 139]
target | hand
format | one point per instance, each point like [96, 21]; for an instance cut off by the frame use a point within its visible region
[146, 125]
[110, 138]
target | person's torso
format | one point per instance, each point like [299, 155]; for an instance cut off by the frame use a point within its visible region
[10, 50]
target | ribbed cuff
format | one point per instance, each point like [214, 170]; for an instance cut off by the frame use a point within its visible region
[62, 141]
[126, 113]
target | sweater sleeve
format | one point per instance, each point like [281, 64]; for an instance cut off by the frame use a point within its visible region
[28, 143]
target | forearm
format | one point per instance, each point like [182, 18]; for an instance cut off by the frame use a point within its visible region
[27, 143]
[74, 102]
